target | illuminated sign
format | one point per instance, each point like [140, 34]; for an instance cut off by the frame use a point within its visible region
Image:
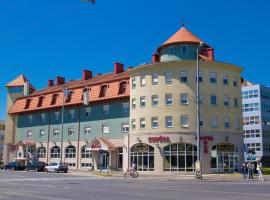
[159, 139]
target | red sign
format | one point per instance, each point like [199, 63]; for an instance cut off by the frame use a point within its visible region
[159, 139]
[95, 144]
[206, 138]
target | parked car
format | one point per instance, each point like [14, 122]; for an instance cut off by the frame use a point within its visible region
[2, 165]
[57, 167]
[14, 166]
[36, 165]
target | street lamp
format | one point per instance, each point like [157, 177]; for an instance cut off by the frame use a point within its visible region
[198, 170]
[65, 93]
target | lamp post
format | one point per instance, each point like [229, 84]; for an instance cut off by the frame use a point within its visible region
[198, 169]
[65, 91]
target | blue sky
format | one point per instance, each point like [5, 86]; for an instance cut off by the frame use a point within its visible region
[63, 37]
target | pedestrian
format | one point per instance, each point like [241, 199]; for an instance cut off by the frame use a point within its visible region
[259, 170]
[250, 170]
[243, 170]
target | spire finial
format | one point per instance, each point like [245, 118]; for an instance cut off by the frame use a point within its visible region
[183, 22]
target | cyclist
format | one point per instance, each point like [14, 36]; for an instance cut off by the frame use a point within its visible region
[133, 167]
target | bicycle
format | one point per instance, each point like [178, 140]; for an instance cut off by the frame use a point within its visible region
[132, 173]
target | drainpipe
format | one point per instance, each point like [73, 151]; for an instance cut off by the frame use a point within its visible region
[78, 142]
[49, 130]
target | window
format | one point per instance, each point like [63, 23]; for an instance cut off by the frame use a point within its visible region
[105, 128]
[142, 123]
[55, 152]
[70, 152]
[87, 130]
[85, 152]
[103, 90]
[133, 123]
[71, 131]
[236, 123]
[235, 82]
[235, 102]
[88, 111]
[154, 122]
[122, 87]
[106, 109]
[69, 96]
[225, 80]
[201, 121]
[254, 146]
[133, 102]
[154, 79]
[253, 133]
[183, 77]
[27, 103]
[168, 77]
[56, 116]
[55, 132]
[142, 102]
[168, 99]
[227, 122]
[213, 100]
[184, 98]
[125, 128]
[71, 114]
[251, 120]
[42, 117]
[226, 100]
[171, 50]
[168, 122]
[29, 134]
[200, 76]
[214, 122]
[154, 100]
[125, 107]
[213, 77]
[54, 99]
[41, 133]
[184, 49]
[250, 107]
[143, 81]
[41, 152]
[40, 101]
[30, 118]
[184, 121]
[133, 83]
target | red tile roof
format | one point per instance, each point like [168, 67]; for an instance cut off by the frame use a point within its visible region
[112, 80]
[19, 81]
[183, 35]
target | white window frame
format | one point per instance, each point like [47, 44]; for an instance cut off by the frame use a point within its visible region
[213, 77]
[142, 101]
[87, 130]
[56, 132]
[184, 121]
[168, 122]
[154, 121]
[29, 134]
[143, 80]
[106, 109]
[183, 76]
[154, 79]
[41, 133]
[168, 99]
[105, 128]
[184, 98]
[168, 78]
[133, 103]
[71, 131]
[134, 82]
[125, 107]
[125, 127]
[133, 124]
[142, 123]
[154, 99]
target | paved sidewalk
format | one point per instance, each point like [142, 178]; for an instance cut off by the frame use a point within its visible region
[235, 177]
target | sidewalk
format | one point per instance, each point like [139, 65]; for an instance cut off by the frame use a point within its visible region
[235, 177]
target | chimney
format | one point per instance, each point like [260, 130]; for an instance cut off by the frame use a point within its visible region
[155, 58]
[118, 68]
[86, 75]
[60, 80]
[50, 83]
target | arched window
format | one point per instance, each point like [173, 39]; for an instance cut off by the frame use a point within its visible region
[122, 87]
[103, 90]
[55, 152]
[70, 152]
[85, 152]
[143, 155]
[41, 152]
[180, 157]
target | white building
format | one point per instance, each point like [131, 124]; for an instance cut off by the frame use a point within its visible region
[256, 122]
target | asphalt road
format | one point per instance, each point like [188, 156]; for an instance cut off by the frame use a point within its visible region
[51, 186]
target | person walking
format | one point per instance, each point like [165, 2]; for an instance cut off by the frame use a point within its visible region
[244, 170]
[259, 170]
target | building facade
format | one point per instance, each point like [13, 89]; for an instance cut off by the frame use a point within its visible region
[256, 122]
[2, 136]
[145, 114]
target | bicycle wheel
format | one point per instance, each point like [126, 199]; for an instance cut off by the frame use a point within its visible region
[135, 174]
[125, 174]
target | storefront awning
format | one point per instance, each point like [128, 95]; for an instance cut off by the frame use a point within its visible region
[101, 143]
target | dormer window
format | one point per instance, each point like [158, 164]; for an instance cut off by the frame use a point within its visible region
[103, 91]
[122, 87]
[27, 104]
[85, 96]
[69, 96]
[40, 101]
[54, 99]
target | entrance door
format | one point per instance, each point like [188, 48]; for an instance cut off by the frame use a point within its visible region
[103, 160]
